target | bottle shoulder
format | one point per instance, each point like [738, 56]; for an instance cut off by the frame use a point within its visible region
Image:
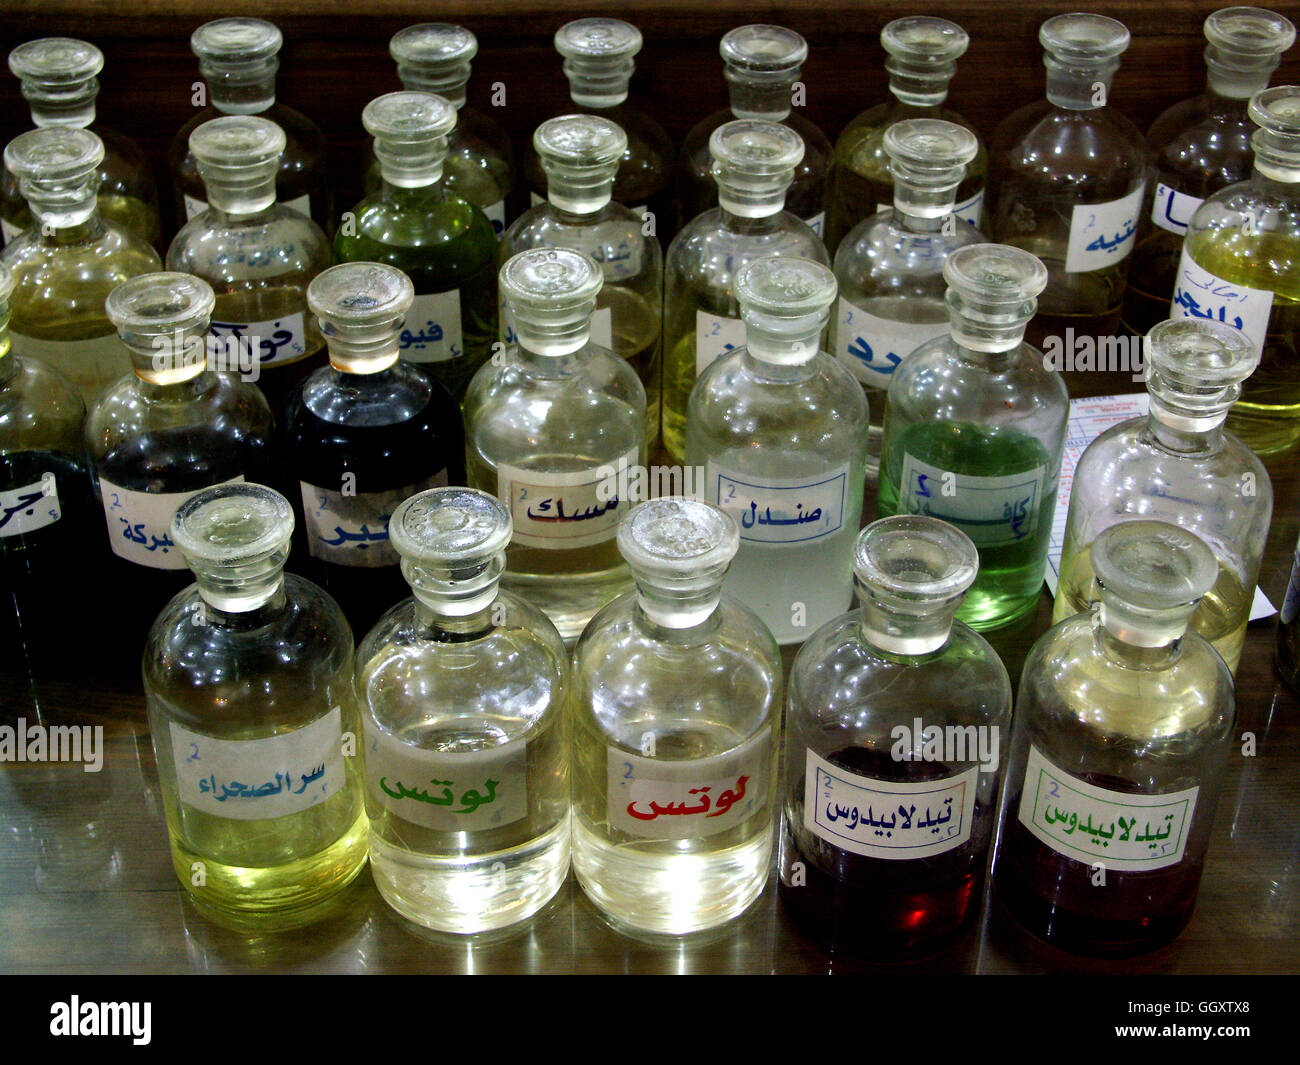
[599, 378]
[277, 242]
[615, 239]
[708, 248]
[40, 410]
[403, 393]
[110, 257]
[880, 249]
[1074, 147]
[937, 378]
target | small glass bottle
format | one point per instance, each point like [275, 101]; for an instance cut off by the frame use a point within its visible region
[1124, 722]
[676, 712]
[753, 163]
[975, 429]
[1179, 465]
[1241, 265]
[580, 155]
[1200, 146]
[58, 77]
[361, 435]
[65, 267]
[923, 53]
[1288, 628]
[1068, 175]
[893, 709]
[463, 691]
[238, 58]
[548, 427]
[779, 428]
[763, 64]
[248, 679]
[440, 240]
[258, 255]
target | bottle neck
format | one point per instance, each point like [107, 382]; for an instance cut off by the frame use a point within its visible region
[768, 98]
[403, 169]
[70, 214]
[598, 85]
[989, 334]
[1139, 639]
[903, 636]
[168, 360]
[81, 231]
[926, 88]
[680, 609]
[427, 194]
[924, 207]
[453, 90]
[1275, 174]
[578, 214]
[1230, 82]
[238, 202]
[1173, 435]
[439, 625]
[76, 111]
[575, 198]
[246, 600]
[781, 359]
[239, 95]
[362, 358]
[926, 225]
[1077, 86]
[749, 217]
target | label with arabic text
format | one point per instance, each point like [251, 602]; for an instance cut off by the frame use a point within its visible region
[992, 511]
[431, 332]
[1173, 210]
[781, 510]
[352, 530]
[1201, 294]
[30, 507]
[276, 340]
[873, 348]
[140, 523]
[562, 510]
[1102, 234]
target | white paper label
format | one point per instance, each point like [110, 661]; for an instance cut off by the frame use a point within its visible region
[1199, 294]
[496, 213]
[714, 337]
[256, 780]
[195, 206]
[896, 820]
[352, 530]
[992, 511]
[1173, 210]
[275, 340]
[872, 348]
[781, 510]
[817, 223]
[432, 330]
[139, 523]
[30, 507]
[1102, 234]
[562, 510]
[10, 230]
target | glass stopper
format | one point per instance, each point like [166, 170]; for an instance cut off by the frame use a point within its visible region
[238, 158]
[992, 294]
[922, 57]
[754, 163]
[237, 50]
[410, 131]
[551, 296]
[163, 319]
[1276, 112]
[1194, 370]
[928, 157]
[58, 172]
[1246, 45]
[580, 155]
[435, 57]
[761, 63]
[361, 308]
[599, 58]
[785, 303]
[58, 79]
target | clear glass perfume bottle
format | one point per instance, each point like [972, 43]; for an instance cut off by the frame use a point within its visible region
[1123, 726]
[753, 164]
[1068, 175]
[676, 712]
[463, 691]
[975, 429]
[248, 678]
[257, 254]
[439, 239]
[1200, 146]
[238, 58]
[580, 155]
[58, 78]
[1241, 265]
[779, 428]
[923, 53]
[361, 435]
[65, 267]
[893, 709]
[547, 429]
[1179, 465]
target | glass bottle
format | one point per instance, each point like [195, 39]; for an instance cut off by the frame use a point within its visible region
[463, 691]
[1068, 175]
[762, 64]
[893, 709]
[58, 78]
[676, 714]
[580, 155]
[1123, 726]
[361, 435]
[1288, 628]
[249, 686]
[1241, 265]
[1200, 146]
[64, 268]
[779, 429]
[548, 427]
[975, 429]
[753, 164]
[258, 255]
[923, 53]
[238, 58]
[1179, 465]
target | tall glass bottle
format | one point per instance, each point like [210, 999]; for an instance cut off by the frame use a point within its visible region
[975, 428]
[676, 714]
[58, 78]
[248, 681]
[463, 691]
[779, 428]
[547, 428]
[440, 240]
[361, 435]
[753, 164]
[65, 267]
[1179, 465]
[1123, 726]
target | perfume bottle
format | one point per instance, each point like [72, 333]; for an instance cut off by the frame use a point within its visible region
[975, 429]
[58, 78]
[248, 679]
[1241, 265]
[895, 720]
[580, 155]
[753, 163]
[238, 58]
[1179, 465]
[1288, 627]
[258, 255]
[1200, 146]
[1123, 726]
[676, 712]
[548, 429]
[1068, 175]
[65, 267]
[779, 428]
[762, 64]
[923, 53]
[463, 691]
[361, 435]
